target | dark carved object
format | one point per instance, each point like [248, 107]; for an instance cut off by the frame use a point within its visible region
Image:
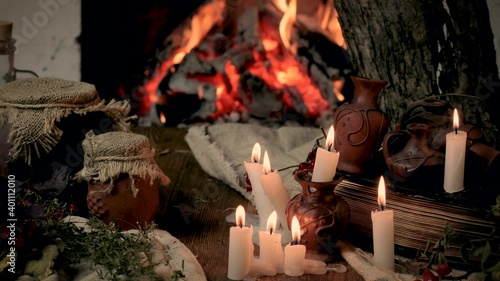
[415, 152]
[323, 216]
[360, 126]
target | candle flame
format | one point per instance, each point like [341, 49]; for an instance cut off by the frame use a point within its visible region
[163, 119]
[240, 216]
[295, 230]
[456, 124]
[271, 222]
[381, 192]
[256, 153]
[266, 165]
[329, 138]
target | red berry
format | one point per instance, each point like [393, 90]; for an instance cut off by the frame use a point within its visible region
[304, 166]
[311, 156]
[427, 275]
[247, 179]
[72, 208]
[19, 242]
[31, 224]
[443, 270]
[58, 215]
[4, 234]
[249, 188]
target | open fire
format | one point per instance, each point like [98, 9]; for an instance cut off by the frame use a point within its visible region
[273, 67]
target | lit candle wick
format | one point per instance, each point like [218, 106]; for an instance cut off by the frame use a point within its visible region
[456, 130]
[240, 223]
[323, 130]
[271, 231]
[330, 148]
[382, 207]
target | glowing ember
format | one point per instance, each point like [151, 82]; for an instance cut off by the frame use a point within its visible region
[276, 66]
[201, 23]
[284, 70]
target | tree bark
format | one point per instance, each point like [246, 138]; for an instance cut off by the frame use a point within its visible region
[424, 48]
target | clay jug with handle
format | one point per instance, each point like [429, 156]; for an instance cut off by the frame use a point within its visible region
[360, 126]
[407, 150]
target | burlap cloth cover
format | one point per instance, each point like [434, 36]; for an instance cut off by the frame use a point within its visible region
[110, 154]
[33, 106]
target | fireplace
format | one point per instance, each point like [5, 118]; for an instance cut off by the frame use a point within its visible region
[241, 61]
[240, 68]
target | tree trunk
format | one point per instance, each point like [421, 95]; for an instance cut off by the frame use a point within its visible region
[425, 48]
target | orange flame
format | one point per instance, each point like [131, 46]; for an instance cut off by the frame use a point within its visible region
[240, 216]
[269, 44]
[271, 222]
[256, 153]
[330, 137]
[295, 230]
[381, 192]
[266, 165]
[286, 26]
[163, 119]
[200, 25]
[456, 123]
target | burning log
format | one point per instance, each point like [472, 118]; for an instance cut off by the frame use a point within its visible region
[254, 72]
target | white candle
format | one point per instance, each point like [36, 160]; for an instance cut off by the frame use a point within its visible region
[273, 187]
[270, 244]
[295, 254]
[326, 162]
[383, 231]
[240, 248]
[455, 158]
[262, 201]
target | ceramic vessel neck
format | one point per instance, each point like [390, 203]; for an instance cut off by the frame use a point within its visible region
[366, 91]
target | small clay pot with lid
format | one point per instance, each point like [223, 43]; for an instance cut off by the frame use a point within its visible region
[123, 178]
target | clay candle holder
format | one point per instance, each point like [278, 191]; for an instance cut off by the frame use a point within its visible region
[322, 214]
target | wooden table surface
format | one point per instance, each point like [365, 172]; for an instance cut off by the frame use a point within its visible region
[193, 207]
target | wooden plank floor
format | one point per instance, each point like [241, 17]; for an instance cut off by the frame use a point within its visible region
[193, 207]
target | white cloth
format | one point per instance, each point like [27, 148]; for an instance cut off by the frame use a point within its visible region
[221, 150]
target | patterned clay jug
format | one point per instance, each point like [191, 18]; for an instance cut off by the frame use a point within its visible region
[323, 215]
[360, 126]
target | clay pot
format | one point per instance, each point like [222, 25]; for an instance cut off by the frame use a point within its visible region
[120, 205]
[323, 216]
[415, 152]
[360, 126]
